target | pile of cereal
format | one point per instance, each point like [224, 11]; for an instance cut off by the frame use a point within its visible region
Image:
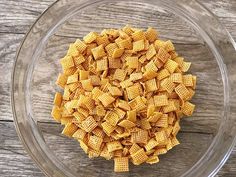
[124, 94]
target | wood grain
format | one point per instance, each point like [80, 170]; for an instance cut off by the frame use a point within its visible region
[15, 20]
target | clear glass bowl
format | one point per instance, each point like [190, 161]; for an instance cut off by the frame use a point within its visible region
[207, 138]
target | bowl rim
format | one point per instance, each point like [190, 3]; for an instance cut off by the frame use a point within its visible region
[25, 145]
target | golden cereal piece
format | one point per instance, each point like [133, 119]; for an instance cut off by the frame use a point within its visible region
[117, 52]
[100, 111]
[150, 110]
[115, 91]
[161, 136]
[105, 154]
[66, 94]
[152, 143]
[78, 60]
[56, 113]
[102, 64]
[93, 153]
[188, 108]
[126, 124]
[188, 80]
[89, 48]
[125, 43]
[69, 129]
[83, 75]
[98, 52]
[74, 86]
[119, 74]
[171, 65]
[153, 159]
[170, 107]
[168, 45]
[180, 61]
[57, 99]
[151, 34]
[114, 146]
[96, 92]
[121, 164]
[138, 35]
[108, 128]
[95, 142]
[89, 124]
[136, 76]
[151, 52]
[160, 100]
[163, 55]
[106, 99]
[145, 124]
[87, 84]
[132, 62]
[79, 134]
[112, 118]
[102, 40]
[124, 105]
[160, 151]
[167, 85]
[139, 157]
[138, 45]
[140, 136]
[162, 74]
[134, 148]
[126, 83]
[159, 44]
[137, 104]
[127, 29]
[90, 37]
[120, 112]
[162, 121]
[123, 35]
[131, 115]
[79, 116]
[182, 91]
[72, 78]
[132, 91]
[114, 63]
[176, 128]
[151, 66]
[176, 77]
[67, 62]
[149, 74]
[186, 66]
[83, 146]
[154, 118]
[80, 45]
[110, 48]
[151, 85]
[95, 80]
[61, 80]
[72, 51]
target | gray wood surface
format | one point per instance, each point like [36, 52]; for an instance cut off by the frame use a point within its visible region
[15, 20]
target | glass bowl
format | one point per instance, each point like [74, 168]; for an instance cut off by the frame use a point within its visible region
[207, 138]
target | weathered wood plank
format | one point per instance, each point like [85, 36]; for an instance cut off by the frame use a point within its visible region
[8, 46]
[17, 17]
[27, 11]
[14, 161]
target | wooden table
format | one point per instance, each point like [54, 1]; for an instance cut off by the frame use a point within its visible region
[15, 20]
